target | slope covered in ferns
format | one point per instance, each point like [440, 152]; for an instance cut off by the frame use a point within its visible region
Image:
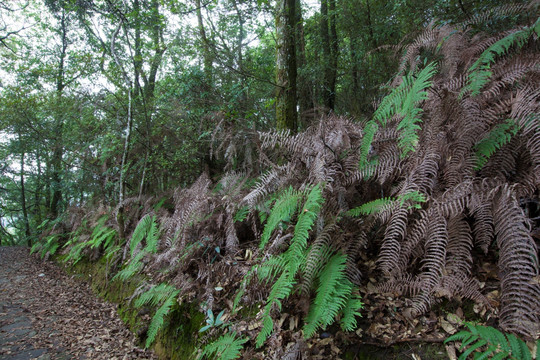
[443, 178]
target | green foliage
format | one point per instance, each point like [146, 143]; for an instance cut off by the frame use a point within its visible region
[412, 199]
[161, 294]
[500, 135]
[50, 245]
[226, 347]
[133, 267]
[479, 73]
[372, 207]
[369, 133]
[148, 229]
[212, 321]
[102, 236]
[402, 101]
[334, 293]
[485, 341]
[283, 211]
[241, 214]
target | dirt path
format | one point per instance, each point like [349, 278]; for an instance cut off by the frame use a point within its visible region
[45, 314]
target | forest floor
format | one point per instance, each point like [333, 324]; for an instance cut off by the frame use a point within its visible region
[46, 314]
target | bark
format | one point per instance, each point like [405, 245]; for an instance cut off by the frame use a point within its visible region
[305, 96]
[58, 151]
[330, 51]
[23, 198]
[127, 140]
[286, 102]
[206, 51]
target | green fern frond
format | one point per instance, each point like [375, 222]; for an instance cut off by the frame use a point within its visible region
[159, 317]
[403, 101]
[497, 344]
[75, 253]
[411, 113]
[333, 294]
[500, 135]
[140, 232]
[227, 347]
[155, 295]
[281, 289]
[308, 214]
[272, 267]
[412, 199]
[283, 211]
[152, 236]
[133, 267]
[479, 73]
[241, 214]
[317, 257]
[350, 312]
[369, 134]
[372, 207]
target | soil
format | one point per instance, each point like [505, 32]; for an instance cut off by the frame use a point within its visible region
[46, 314]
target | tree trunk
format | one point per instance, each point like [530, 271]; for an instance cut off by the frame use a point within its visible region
[23, 198]
[330, 51]
[286, 112]
[206, 51]
[58, 150]
[305, 96]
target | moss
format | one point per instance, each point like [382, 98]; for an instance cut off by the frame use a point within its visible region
[179, 337]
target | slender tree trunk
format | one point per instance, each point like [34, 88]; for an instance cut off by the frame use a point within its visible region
[330, 51]
[206, 51]
[23, 198]
[305, 96]
[37, 193]
[120, 216]
[286, 102]
[58, 151]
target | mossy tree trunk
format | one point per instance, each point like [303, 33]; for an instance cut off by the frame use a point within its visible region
[286, 71]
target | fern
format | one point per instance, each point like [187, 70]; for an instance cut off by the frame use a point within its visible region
[409, 110]
[290, 262]
[155, 295]
[369, 134]
[241, 214]
[403, 101]
[102, 234]
[479, 73]
[50, 246]
[283, 211]
[159, 318]
[297, 250]
[281, 290]
[350, 312]
[133, 267]
[227, 347]
[412, 199]
[146, 229]
[499, 136]
[372, 207]
[333, 295]
[487, 341]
